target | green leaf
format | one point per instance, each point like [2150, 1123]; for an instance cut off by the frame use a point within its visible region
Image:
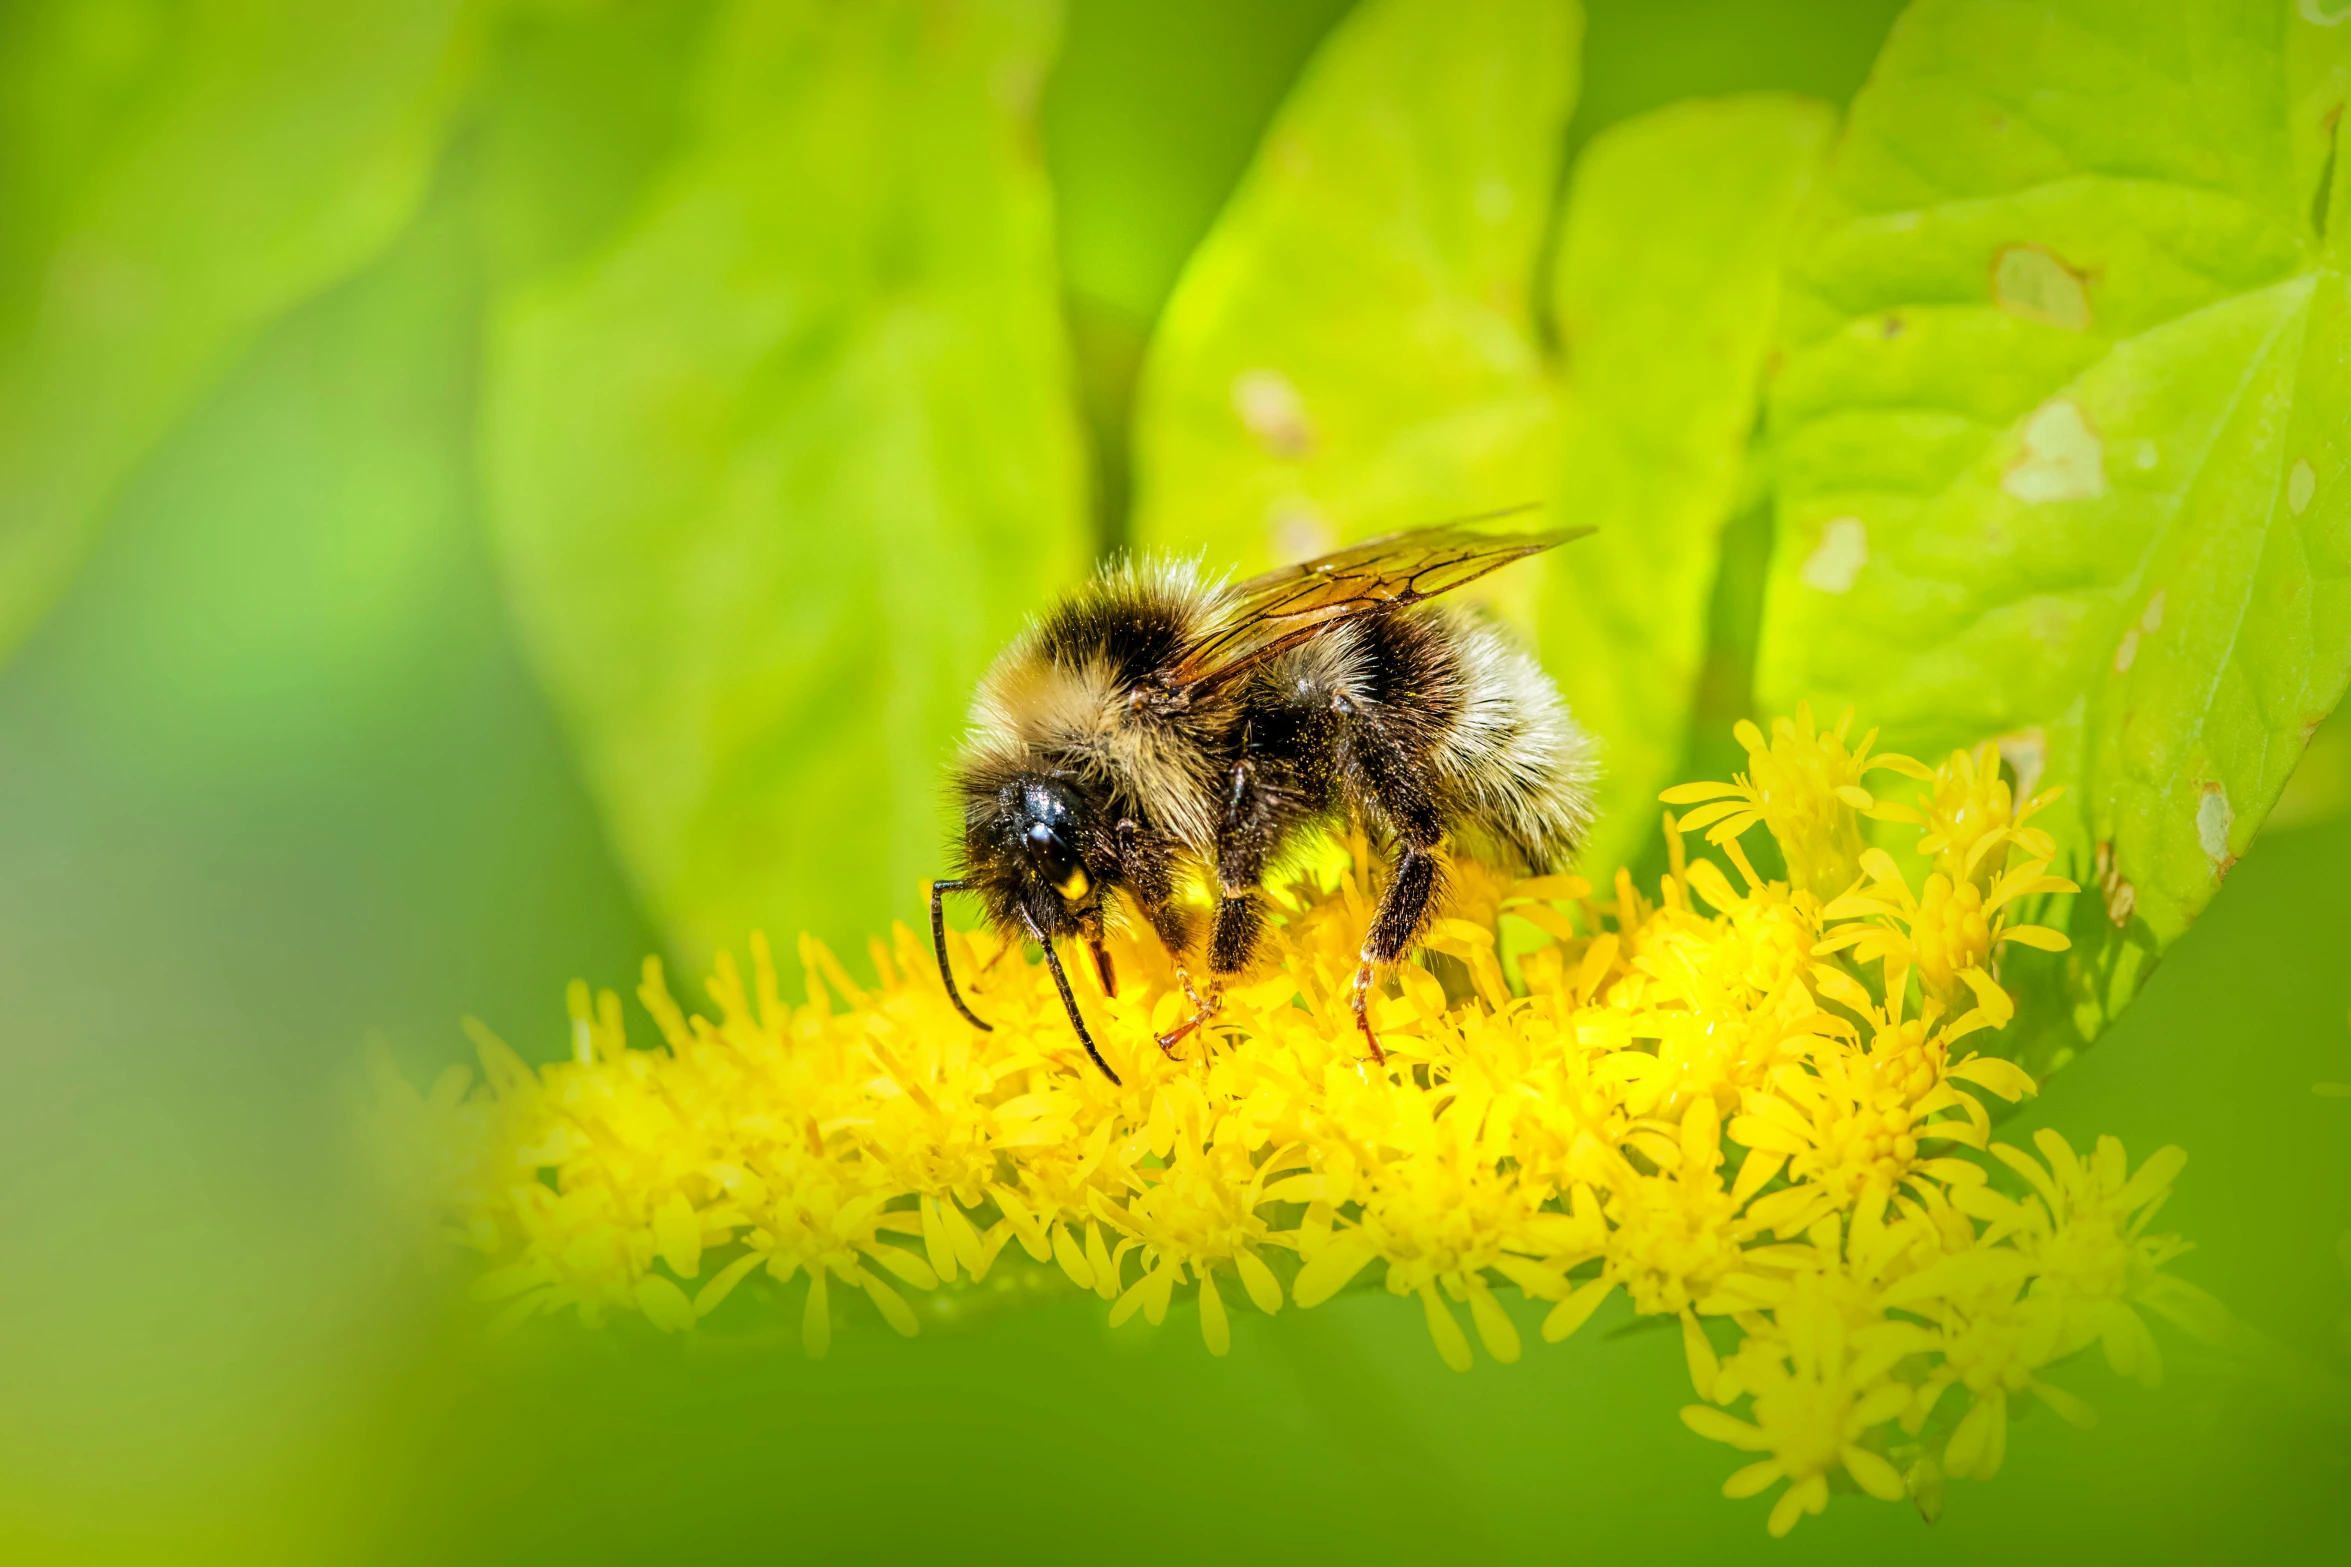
[176, 175]
[776, 473]
[2061, 434]
[1666, 288]
[286, 565]
[583, 108]
[1353, 348]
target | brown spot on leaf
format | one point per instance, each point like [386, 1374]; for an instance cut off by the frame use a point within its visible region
[2059, 457]
[2029, 281]
[2121, 897]
[1271, 409]
[2214, 818]
[1839, 556]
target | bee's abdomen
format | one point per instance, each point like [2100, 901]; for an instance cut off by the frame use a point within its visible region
[1360, 716]
[1516, 766]
[1437, 727]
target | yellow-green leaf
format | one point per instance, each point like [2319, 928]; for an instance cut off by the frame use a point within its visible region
[1353, 347]
[1666, 288]
[176, 175]
[2061, 433]
[777, 471]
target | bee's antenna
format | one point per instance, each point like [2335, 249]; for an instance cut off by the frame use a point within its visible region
[939, 944]
[1070, 1000]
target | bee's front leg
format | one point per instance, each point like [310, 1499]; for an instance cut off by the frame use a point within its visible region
[1361, 998]
[1230, 946]
[1104, 970]
[1147, 861]
[1204, 1010]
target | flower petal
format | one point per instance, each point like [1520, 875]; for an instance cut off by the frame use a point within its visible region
[1719, 1427]
[1215, 1331]
[664, 1304]
[1444, 1329]
[1265, 1291]
[1330, 1271]
[1573, 1312]
[1495, 1329]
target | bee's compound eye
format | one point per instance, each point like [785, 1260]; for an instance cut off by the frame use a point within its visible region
[1055, 860]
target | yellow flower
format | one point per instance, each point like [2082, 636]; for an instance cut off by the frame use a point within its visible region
[1819, 1388]
[1971, 819]
[1852, 1123]
[1693, 1096]
[1946, 934]
[2083, 1235]
[1805, 788]
[1199, 1211]
[1674, 1234]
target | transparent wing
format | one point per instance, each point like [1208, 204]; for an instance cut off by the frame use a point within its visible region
[1265, 615]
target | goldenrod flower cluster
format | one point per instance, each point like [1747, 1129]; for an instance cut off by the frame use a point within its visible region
[1756, 1106]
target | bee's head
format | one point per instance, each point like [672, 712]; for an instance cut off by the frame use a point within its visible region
[1037, 852]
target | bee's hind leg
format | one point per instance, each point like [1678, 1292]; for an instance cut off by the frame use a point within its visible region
[1395, 926]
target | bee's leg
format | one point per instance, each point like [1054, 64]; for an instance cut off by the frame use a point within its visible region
[1361, 997]
[1146, 862]
[1230, 946]
[1203, 1009]
[1207, 1013]
[1395, 926]
[1382, 755]
[1261, 806]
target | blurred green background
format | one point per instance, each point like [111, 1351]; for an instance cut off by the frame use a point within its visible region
[277, 776]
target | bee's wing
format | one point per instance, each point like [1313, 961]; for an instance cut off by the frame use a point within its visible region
[1265, 615]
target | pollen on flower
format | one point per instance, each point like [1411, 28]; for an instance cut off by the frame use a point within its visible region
[1760, 1108]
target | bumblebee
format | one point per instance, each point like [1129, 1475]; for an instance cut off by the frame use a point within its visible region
[1154, 725]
